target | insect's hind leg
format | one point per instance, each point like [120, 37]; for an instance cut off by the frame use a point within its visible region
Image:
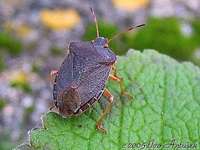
[109, 98]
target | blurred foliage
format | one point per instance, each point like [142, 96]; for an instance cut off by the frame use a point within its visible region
[20, 81]
[163, 34]
[56, 51]
[27, 114]
[21, 85]
[2, 63]
[10, 43]
[5, 141]
[36, 68]
[106, 30]
[196, 58]
[196, 30]
[59, 19]
[196, 38]
[130, 5]
[2, 103]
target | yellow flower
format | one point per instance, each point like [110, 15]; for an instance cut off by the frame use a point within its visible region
[22, 30]
[19, 77]
[59, 19]
[130, 5]
[19, 80]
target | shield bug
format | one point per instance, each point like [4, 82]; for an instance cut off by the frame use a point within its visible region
[81, 79]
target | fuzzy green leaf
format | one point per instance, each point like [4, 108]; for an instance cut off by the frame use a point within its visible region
[166, 106]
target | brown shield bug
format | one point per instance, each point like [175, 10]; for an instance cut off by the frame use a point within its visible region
[81, 79]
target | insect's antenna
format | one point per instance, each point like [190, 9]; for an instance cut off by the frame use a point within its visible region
[95, 20]
[126, 30]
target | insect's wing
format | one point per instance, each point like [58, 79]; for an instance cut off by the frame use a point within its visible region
[70, 102]
[71, 72]
[81, 68]
[93, 82]
[64, 77]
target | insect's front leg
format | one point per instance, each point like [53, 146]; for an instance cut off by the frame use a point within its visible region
[114, 77]
[99, 122]
[54, 72]
[53, 75]
[121, 83]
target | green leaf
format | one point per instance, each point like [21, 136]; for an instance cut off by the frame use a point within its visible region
[166, 106]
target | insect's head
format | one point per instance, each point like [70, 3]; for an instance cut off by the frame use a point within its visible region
[101, 41]
[104, 41]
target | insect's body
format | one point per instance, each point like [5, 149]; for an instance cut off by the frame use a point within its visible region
[81, 79]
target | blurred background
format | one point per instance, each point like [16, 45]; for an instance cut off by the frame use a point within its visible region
[34, 35]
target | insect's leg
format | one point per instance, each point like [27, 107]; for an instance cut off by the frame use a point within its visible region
[114, 77]
[109, 98]
[114, 70]
[54, 72]
[53, 75]
[121, 83]
[52, 107]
